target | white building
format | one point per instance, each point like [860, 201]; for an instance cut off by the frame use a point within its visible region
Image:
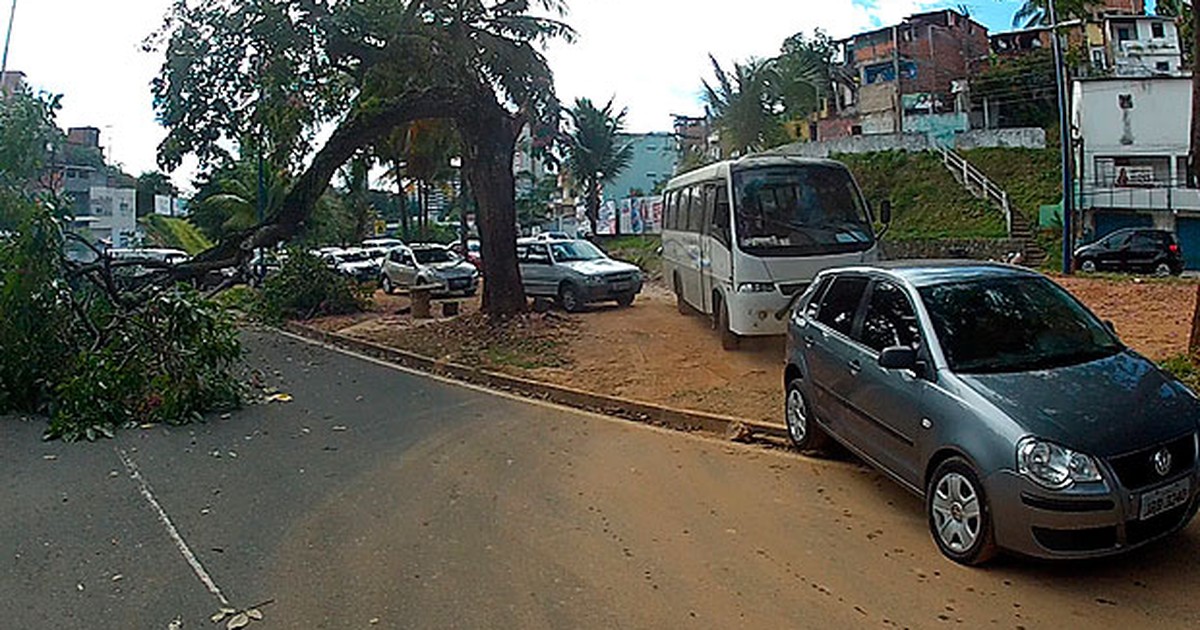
[1131, 157]
[1141, 46]
[112, 217]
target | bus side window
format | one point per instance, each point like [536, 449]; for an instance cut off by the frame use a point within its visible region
[684, 210]
[696, 210]
[672, 209]
[709, 192]
[719, 227]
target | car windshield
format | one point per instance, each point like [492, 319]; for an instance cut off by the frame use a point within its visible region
[1014, 325]
[433, 255]
[575, 250]
[799, 210]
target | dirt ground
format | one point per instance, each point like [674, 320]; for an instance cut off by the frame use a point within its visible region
[651, 353]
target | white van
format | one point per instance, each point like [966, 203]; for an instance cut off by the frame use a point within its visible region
[741, 237]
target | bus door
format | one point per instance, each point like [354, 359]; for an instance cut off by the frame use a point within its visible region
[716, 249]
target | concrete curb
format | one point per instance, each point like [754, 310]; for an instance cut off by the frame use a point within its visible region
[657, 415]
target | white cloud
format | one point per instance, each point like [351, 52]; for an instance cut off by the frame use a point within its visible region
[650, 53]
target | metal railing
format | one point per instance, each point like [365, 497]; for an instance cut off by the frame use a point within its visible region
[977, 183]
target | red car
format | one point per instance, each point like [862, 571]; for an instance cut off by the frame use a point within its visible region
[471, 255]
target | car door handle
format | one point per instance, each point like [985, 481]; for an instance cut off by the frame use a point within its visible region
[855, 367]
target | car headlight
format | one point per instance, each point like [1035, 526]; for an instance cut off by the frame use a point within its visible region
[1053, 466]
[756, 287]
[594, 279]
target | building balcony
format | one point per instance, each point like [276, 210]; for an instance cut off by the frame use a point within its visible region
[1157, 198]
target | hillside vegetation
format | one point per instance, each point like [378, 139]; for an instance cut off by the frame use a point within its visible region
[927, 202]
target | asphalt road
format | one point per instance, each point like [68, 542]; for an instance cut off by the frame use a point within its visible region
[381, 499]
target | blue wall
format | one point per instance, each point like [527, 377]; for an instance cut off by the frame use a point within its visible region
[654, 159]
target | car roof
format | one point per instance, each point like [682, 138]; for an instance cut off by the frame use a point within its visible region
[427, 246]
[921, 273]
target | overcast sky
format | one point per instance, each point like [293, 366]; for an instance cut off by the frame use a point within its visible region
[650, 54]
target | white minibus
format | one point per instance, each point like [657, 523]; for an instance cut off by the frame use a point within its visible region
[742, 237]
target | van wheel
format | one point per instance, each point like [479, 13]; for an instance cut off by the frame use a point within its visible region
[680, 305]
[729, 339]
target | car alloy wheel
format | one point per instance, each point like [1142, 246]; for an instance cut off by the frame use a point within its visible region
[625, 300]
[802, 430]
[959, 515]
[387, 285]
[1162, 270]
[1088, 266]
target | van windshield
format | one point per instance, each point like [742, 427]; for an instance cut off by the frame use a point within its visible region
[798, 210]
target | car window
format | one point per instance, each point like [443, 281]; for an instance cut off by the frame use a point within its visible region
[1116, 241]
[890, 320]
[1014, 325]
[538, 254]
[815, 302]
[1145, 241]
[840, 303]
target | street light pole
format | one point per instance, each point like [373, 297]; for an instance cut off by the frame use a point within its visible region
[12, 13]
[1064, 131]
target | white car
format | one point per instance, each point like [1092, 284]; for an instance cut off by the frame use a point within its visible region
[428, 264]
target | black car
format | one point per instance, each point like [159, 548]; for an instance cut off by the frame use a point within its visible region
[1134, 250]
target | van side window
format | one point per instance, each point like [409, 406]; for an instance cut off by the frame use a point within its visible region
[840, 304]
[719, 226]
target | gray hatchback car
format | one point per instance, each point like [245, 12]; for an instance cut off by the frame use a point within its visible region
[988, 390]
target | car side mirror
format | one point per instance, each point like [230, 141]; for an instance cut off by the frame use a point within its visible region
[1108, 323]
[898, 358]
[885, 211]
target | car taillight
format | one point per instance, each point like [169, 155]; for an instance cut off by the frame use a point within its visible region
[1174, 247]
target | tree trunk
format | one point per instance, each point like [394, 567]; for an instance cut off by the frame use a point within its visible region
[490, 138]
[592, 202]
[402, 200]
[1193, 150]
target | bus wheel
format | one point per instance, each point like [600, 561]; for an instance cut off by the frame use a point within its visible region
[729, 339]
[680, 305]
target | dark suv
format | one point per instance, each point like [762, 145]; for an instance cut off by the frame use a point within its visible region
[1132, 249]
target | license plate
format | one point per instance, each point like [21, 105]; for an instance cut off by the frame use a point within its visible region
[621, 286]
[1156, 502]
[458, 284]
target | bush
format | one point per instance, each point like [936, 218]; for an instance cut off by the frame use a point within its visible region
[305, 288]
[1185, 369]
[93, 356]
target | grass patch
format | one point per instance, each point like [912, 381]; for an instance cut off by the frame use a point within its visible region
[1184, 368]
[640, 250]
[927, 202]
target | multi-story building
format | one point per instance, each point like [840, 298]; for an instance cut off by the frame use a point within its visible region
[12, 81]
[907, 68]
[1132, 158]
[104, 202]
[654, 160]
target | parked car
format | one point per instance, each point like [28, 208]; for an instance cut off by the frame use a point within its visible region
[472, 253]
[991, 392]
[1133, 250]
[575, 272]
[553, 236]
[354, 262]
[428, 264]
[152, 254]
[385, 243]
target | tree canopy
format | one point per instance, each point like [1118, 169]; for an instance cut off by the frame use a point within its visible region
[594, 150]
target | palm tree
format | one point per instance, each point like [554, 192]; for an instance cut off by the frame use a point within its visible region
[1034, 13]
[745, 106]
[226, 201]
[595, 154]
[805, 73]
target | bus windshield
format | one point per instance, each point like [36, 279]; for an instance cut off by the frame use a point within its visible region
[799, 210]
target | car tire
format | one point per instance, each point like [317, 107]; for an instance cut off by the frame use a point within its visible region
[1087, 266]
[729, 340]
[386, 284]
[1162, 270]
[802, 428]
[625, 300]
[960, 518]
[569, 299]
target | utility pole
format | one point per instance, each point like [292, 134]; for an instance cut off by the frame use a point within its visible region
[896, 70]
[1064, 127]
[12, 13]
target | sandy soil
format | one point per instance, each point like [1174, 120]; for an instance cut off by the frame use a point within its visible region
[651, 353]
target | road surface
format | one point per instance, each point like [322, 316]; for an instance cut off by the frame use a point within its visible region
[381, 499]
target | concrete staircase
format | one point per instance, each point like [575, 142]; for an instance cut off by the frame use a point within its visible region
[978, 184]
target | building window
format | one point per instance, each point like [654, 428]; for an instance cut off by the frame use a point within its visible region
[1163, 66]
[1156, 29]
[1124, 34]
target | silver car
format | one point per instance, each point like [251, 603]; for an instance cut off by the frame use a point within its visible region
[575, 272]
[999, 398]
[428, 264]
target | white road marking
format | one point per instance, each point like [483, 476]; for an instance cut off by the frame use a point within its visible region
[180, 543]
